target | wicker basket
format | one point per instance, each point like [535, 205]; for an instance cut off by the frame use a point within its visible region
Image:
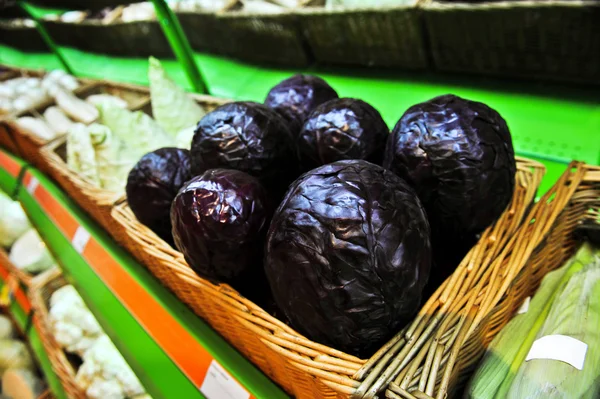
[82, 4]
[556, 39]
[121, 39]
[96, 201]
[382, 37]
[303, 368]
[7, 141]
[24, 38]
[29, 144]
[39, 295]
[478, 304]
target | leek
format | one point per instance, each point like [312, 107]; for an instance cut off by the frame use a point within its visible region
[575, 313]
[506, 352]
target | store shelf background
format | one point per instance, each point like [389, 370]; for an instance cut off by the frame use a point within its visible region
[553, 123]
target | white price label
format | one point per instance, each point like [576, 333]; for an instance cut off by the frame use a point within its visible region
[80, 239]
[32, 185]
[559, 347]
[218, 384]
[525, 306]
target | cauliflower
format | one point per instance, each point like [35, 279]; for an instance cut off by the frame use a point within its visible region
[71, 323]
[13, 221]
[105, 374]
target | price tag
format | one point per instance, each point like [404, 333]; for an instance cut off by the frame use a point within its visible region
[524, 306]
[80, 239]
[32, 185]
[559, 347]
[218, 384]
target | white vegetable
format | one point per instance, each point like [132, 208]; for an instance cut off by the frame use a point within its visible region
[14, 354]
[113, 158]
[57, 120]
[138, 12]
[261, 7]
[184, 137]
[51, 87]
[173, 109]
[7, 91]
[29, 253]
[13, 221]
[37, 94]
[6, 328]
[32, 83]
[69, 82]
[97, 99]
[73, 16]
[23, 102]
[96, 153]
[55, 75]
[71, 323]
[76, 108]
[37, 127]
[330, 4]
[140, 133]
[81, 156]
[105, 374]
[20, 383]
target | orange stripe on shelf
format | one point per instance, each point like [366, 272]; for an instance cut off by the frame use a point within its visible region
[9, 164]
[55, 211]
[184, 350]
[189, 355]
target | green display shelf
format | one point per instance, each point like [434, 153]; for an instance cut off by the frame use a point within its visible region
[20, 309]
[550, 122]
[172, 351]
[10, 168]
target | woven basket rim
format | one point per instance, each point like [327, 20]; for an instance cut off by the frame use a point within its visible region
[502, 5]
[351, 11]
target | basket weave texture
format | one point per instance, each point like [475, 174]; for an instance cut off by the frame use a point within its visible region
[39, 295]
[556, 39]
[381, 37]
[302, 367]
[25, 38]
[121, 39]
[445, 359]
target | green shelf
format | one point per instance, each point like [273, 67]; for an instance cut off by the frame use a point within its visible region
[172, 351]
[551, 123]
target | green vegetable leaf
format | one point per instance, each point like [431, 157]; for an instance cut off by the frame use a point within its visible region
[140, 133]
[172, 107]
